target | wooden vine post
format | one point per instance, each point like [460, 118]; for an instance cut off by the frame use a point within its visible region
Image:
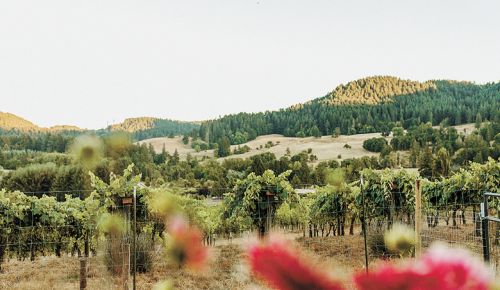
[83, 273]
[418, 219]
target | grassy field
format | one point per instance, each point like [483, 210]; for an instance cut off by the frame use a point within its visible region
[325, 147]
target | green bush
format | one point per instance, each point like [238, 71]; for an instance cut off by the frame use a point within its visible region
[375, 144]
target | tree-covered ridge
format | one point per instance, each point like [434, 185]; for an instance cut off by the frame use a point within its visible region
[59, 128]
[10, 121]
[373, 90]
[134, 124]
[450, 102]
[140, 128]
[150, 127]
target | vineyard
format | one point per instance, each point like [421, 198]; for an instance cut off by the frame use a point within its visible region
[332, 222]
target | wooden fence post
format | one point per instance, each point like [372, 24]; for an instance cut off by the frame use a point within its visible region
[125, 265]
[83, 273]
[418, 219]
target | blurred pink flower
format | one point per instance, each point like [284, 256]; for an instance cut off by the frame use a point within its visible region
[279, 265]
[440, 268]
[454, 269]
[186, 246]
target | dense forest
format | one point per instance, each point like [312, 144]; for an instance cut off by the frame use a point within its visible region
[37, 141]
[374, 104]
[436, 152]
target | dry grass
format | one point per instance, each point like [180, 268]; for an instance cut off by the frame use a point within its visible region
[340, 256]
[227, 271]
[325, 148]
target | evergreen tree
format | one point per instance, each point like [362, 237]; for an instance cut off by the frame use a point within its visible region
[2, 159]
[224, 148]
[426, 164]
[175, 158]
[479, 121]
[442, 162]
[414, 153]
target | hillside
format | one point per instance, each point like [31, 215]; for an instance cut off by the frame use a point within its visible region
[374, 104]
[140, 128]
[10, 121]
[325, 147]
[134, 124]
[368, 105]
[373, 90]
[59, 128]
[150, 127]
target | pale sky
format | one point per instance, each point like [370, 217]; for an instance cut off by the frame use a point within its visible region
[94, 62]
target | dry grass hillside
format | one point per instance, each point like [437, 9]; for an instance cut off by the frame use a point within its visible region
[10, 121]
[325, 148]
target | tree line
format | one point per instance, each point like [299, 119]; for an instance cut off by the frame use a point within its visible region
[436, 152]
[450, 102]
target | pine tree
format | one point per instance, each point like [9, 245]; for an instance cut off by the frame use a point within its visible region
[414, 153]
[2, 159]
[315, 131]
[479, 121]
[224, 147]
[442, 162]
[426, 163]
[175, 157]
[458, 118]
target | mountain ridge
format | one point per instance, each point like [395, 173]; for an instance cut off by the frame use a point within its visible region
[10, 121]
[344, 108]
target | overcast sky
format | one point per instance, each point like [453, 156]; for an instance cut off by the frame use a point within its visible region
[94, 62]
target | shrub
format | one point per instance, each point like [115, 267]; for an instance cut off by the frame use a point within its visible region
[375, 144]
[269, 144]
[376, 243]
[144, 249]
[241, 149]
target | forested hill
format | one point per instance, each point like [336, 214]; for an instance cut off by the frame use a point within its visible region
[373, 104]
[10, 121]
[140, 128]
[149, 127]
[373, 90]
[367, 105]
